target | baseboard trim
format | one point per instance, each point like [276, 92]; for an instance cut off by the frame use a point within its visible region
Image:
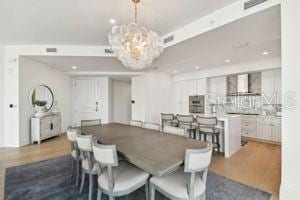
[288, 193]
[11, 144]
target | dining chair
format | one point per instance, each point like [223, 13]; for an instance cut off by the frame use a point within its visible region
[92, 122]
[117, 178]
[168, 120]
[187, 122]
[151, 126]
[75, 152]
[188, 183]
[136, 123]
[174, 130]
[207, 127]
[88, 164]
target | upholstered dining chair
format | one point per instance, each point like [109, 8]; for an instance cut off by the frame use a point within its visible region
[117, 179]
[136, 123]
[75, 152]
[207, 127]
[92, 122]
[174, 130]
[187, 122]
[151, 126]
[188, 183]
[88, 164]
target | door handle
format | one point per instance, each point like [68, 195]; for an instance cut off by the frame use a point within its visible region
[96, 109]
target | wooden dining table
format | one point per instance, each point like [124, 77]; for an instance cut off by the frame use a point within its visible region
[155, 152]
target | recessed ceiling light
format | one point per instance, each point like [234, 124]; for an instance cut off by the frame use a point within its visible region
[175, 71]
[197, 67]
[112, 21]
[238, 45]
[74, 67]
[265, 53]
[227, 61]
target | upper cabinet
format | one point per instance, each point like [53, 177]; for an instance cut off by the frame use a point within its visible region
[271, 86]
[184, 89]
[217, 89]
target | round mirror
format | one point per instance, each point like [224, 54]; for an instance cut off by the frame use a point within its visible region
[41, 96]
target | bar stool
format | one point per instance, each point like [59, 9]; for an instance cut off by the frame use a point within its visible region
[168, 119]
[186, 121]
[207, 127]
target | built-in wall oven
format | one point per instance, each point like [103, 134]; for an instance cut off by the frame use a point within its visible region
[197, 104]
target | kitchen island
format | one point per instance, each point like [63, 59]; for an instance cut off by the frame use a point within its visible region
[231, 126]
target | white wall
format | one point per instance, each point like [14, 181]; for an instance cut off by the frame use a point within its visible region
[152, 94]
[290, 179]
[1, 96]
[122, 102]
[32, 73]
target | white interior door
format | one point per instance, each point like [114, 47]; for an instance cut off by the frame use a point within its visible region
[86, 100]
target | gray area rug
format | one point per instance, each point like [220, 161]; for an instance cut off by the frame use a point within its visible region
[51, 180]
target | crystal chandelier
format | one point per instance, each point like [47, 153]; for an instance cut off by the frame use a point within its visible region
[135, 46]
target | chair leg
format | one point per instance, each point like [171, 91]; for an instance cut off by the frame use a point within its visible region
[152, 192]
[90, 186]
[218, 143]
[147, 190]
[82, 181]
[99, 194]
[72, 169]
[77, 172]
[205, 137]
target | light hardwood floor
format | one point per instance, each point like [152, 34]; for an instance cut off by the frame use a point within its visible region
[256, 164]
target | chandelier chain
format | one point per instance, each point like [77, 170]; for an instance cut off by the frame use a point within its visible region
[135, 9]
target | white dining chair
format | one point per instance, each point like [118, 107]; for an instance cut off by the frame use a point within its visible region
[117, 179]
[174, 130]
[136, 123]
[151, 126]
[88, 164]
[75, 152]
[188, 183]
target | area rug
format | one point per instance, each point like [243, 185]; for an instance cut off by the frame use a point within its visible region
[51, 180]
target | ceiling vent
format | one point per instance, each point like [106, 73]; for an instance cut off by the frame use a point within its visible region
[252, 3]
[169, 39]
[108, 51]
[51, 50]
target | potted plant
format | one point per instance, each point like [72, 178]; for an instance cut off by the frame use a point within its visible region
[40, 105]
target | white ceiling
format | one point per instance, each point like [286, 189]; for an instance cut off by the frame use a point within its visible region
[260, 30]
[86, 22]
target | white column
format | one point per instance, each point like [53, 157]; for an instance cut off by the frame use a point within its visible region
[290, 181]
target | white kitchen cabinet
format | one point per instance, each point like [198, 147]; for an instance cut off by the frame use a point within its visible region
[184, 89]
[278, 85]
[201, 86]
[271, 86]
[276, 137]
[269, 128]
[264, 131]
[217, 89]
